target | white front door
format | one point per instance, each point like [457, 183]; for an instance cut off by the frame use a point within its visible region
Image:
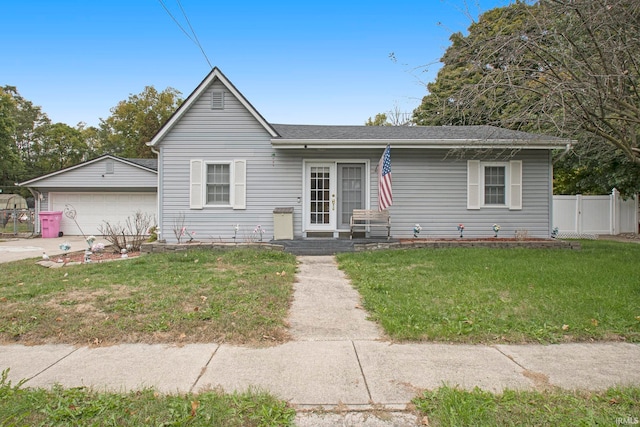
[332, 191]
[320, 203]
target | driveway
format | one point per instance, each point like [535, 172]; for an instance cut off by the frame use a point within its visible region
[15, 249]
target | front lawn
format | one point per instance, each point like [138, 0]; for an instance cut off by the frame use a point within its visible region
[478, 295]
[448, 406]
[239, 297]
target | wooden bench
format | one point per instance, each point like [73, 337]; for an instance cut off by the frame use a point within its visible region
[368, 218]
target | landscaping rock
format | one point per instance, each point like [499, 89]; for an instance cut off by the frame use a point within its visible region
[46, 263]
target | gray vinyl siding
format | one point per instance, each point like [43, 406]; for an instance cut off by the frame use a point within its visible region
[225, 134]
[429, 187]
[44, 202]
[431, 190]
[94, 176]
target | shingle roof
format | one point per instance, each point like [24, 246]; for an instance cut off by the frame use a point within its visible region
[443, 133]
[145, 163]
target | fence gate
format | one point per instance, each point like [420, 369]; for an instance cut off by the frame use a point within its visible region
[15, 221]
[579, 216]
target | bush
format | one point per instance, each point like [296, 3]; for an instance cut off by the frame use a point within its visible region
[129, 236]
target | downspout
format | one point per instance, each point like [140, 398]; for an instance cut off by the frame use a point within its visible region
[159, 193]
[36, 208]
[553, 162]
[564, 153]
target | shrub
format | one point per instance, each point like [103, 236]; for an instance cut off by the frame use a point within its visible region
[129, 236]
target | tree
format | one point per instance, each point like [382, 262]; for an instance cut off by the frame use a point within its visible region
[394, 117]
[59, 147]
[587, 66]
[11, 167]
[135, 121]
[379, 120]
[562, 67]
[456, 96]
[28, 119]
[91, 137]
[591, 167]
[41, 147]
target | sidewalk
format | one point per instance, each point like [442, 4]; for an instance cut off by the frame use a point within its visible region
[337, 359]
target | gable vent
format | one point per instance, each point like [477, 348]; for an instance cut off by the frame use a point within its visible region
[217, 99]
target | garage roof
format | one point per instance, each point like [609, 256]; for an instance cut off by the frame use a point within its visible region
[148, 165]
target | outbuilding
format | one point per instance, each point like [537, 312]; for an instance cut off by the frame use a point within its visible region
[12, 201]
[105, 189]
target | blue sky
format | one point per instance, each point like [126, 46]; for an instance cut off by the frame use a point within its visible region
[296, 62]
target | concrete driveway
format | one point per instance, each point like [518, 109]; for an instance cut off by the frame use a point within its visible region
[15, 249]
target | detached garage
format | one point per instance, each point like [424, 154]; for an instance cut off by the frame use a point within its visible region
[108, 188]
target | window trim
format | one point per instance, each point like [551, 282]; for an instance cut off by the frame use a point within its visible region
[237, 184]
[476, 184]
[483, 184]
[205, 184]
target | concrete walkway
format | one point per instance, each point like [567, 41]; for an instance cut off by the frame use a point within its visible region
[325, 307]
[338, 360]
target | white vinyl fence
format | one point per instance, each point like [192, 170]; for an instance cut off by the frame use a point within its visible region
[580, 216]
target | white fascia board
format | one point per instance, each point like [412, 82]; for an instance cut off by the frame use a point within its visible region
[416, 143]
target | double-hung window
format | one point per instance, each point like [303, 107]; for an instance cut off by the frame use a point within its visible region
[217, 184]
[494, 184]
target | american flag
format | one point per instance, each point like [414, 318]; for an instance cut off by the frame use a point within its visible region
[385, 195]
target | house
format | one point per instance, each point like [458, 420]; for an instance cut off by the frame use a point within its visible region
[107, 188]
[222, 165]
[222, 169]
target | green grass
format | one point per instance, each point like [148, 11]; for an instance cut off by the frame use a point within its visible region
[21, 228]
[477, 295]
[239, 297]
[448, 406]
[82, 407]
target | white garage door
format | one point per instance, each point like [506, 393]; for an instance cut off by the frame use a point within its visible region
[92, 209]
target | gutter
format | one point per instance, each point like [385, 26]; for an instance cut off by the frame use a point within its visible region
[416, 143]
[159, 192]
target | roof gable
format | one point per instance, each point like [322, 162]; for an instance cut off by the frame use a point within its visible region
[150, 165]
[214, 75]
